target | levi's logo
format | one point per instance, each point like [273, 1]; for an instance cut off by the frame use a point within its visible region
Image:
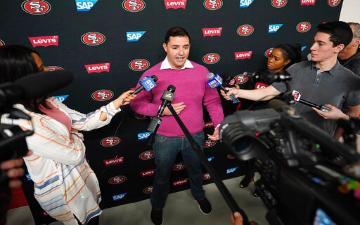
[307, 2]
[147, 173]
[212, 32]
[117, 160]
[133, 6]
[97, 68]
[36, 7]
[175, 4]
[44, 41]
[84, 5]
[245, 3]
[180, 182]
[243, 55]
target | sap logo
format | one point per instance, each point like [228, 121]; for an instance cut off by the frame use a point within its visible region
[210, 158]
[303, 48]
[61, 98]
[84, 5]
[134, 36]
[273, 28]
[119, 196]
[144, 135]
[28, 177]
[245, 3]
[231, 170]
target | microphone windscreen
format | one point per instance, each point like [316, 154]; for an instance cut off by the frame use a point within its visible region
[44, 83]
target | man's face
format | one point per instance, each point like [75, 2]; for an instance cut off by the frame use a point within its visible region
[322, 49]
[177, 51]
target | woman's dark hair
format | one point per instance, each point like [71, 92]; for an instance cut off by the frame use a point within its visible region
[290, 52]
[176, 32]
[16, 61]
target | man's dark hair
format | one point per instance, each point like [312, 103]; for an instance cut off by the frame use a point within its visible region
[340, 32]
[176, 32]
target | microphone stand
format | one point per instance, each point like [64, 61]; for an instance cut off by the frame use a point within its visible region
[218, 182]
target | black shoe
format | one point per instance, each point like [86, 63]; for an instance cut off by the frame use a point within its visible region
[204, 206]
[156, 216]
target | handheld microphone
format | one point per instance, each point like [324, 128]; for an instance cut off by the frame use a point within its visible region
[146, 83]
[215, 81]
[166, 98]
[297, 97]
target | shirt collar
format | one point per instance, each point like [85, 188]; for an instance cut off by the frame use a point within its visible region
[331, 71]
[166, 65]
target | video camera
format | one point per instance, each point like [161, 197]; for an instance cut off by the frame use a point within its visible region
[306, 177]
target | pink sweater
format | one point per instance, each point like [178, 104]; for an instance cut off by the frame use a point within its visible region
[191, 88]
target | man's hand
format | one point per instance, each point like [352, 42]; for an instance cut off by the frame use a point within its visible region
[333, 114]
[178, 107]
[236, 219]
[216, 135]
[233, 91]
[13, 171]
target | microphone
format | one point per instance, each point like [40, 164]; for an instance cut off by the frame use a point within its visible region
[33, 86]
[146, 83]
[297, 97]
[215, 81]
[166, 98]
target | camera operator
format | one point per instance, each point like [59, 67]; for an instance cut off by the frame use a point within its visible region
[322, 81]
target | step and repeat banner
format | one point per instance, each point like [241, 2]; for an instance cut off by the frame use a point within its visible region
[108, 44]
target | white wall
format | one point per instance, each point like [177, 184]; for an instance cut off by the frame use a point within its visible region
[350, 11]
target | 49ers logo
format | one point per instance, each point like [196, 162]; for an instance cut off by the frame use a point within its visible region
[147, 155]
[133, 6]
[334, 3]
[303, 27]
[268, 52]
[93, 38]
[110, 141]
[278, 3]
[209, 143]
[178, 167]
[117, 180]
[36, 7]
[213, 4]
[211, 58]
[245, 30]
[102, 95]
[148, 190]
[139, 64]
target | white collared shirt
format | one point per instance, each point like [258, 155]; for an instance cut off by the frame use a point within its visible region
[166, 65]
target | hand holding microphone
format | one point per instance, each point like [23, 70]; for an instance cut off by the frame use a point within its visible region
[215, 81]
[297, 97]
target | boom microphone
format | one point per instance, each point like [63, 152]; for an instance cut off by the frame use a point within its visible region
[216, 81]
[146, 83]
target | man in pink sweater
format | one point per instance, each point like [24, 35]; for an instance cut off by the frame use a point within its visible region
[192, 92]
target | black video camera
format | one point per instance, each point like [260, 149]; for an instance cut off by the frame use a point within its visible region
[306, 177]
